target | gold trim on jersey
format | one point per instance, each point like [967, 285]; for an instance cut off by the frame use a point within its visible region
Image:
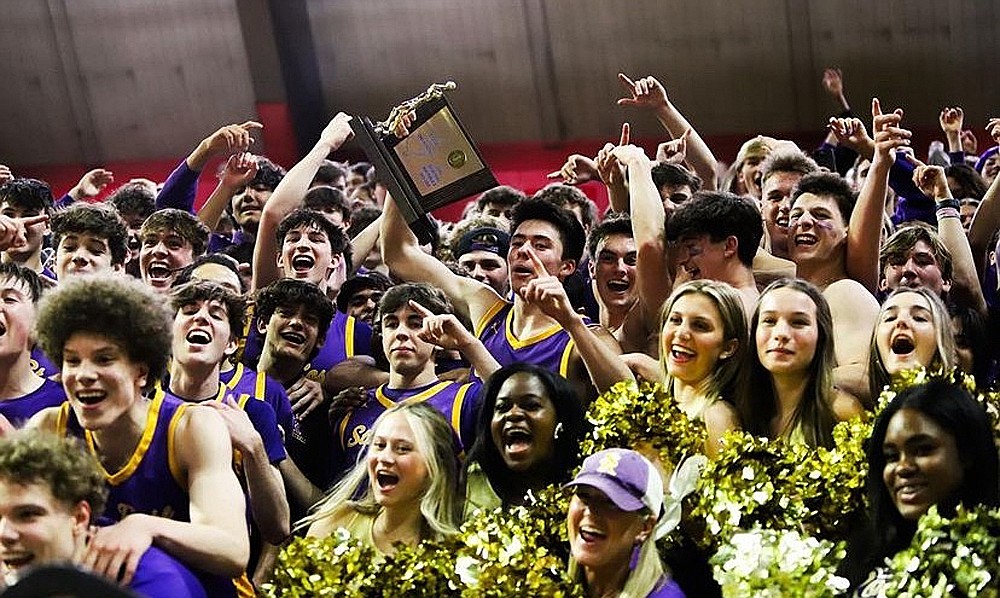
[489, 315]
[140, 451]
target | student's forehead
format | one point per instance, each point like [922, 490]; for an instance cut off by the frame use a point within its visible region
[537, 228]
[12, 283]
[619, 242]
[83, 237]
[162, 232]
[809, 201]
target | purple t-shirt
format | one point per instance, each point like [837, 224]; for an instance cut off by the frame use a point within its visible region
[667, 588]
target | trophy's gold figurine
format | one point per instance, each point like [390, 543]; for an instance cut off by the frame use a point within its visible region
[394, 122]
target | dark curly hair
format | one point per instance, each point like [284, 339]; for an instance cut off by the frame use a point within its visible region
[97, 219]
[133, 198]
[62, 464]
[268, 174]
[116, 307]
[183, 223]
[289, 293]
[208, 290]
[30, 194]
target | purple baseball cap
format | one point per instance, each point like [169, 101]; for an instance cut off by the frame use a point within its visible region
[627, 478]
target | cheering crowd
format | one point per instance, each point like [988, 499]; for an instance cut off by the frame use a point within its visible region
[189, 394]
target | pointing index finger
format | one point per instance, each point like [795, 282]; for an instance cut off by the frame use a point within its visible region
[536, 262]
[420, 309]
[626, 134]
[33, 220]
[630, 84]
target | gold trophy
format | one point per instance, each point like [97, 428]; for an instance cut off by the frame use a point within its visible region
[429, 164]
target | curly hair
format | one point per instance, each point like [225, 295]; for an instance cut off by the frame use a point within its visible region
[208, 290]
[62, 464]
[95, 219]
[118, 308]
[289, 293]
[133, 198]
[183, 223]
[268, 174]
[27, 193]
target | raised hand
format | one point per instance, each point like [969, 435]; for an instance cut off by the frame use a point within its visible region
[226, 140]
[5, 174]
[931, 180]
[993, 128]
[337, 132]
[578, 169]
[951, 120]
[833, 82]
[547, 292]
[851, 133]
[92, 183]
[443, 330]
[630, 154]
[970, 144]
[611, 171]
[888, 134]
[645, 92]
[240, 169]
[673, 151]
[231, 139]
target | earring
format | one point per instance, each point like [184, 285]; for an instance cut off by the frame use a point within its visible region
[557, 431]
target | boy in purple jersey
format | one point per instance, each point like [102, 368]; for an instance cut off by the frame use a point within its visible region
[416, 323]
[293, 317]
[545, 245]
[51, 490]
[112, 336]
[205, 316]
[23, 392]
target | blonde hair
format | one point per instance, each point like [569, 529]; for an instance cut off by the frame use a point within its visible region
[646, 575]
[944, 357]
[440, 503]
[730, 374]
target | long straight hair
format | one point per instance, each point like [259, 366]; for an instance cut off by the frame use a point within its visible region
[814, 414]
[730, 375]
[944, 358]
[441, 501]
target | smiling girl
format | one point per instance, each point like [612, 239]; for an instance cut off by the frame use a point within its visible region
[913, 330]
[703, 354]
[405, 488]
[792, 330]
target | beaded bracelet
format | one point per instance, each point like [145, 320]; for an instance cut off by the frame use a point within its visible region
[947, 212]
